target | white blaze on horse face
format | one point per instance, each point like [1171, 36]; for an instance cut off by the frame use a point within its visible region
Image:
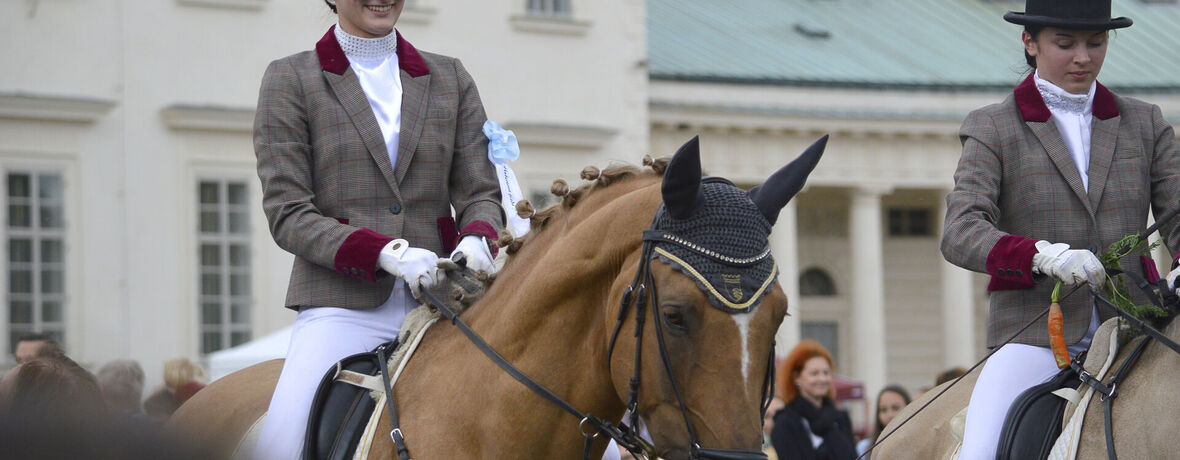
[743, 325]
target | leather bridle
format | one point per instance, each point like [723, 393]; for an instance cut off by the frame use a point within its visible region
[639, 294]
[626, 435]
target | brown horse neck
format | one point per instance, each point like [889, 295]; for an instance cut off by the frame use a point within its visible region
[548, 309]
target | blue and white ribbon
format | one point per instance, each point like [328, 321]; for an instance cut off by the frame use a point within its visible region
[503, 149]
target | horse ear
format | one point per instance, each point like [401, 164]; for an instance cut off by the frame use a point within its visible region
[682, 181]
[772, 195]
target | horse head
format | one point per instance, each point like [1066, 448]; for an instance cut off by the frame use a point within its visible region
[707, 276]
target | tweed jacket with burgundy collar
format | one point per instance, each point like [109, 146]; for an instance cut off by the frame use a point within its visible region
[1016, 183]
[330, 194]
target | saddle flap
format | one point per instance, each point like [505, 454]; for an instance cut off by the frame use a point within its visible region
[1034, 419]
[342, 408]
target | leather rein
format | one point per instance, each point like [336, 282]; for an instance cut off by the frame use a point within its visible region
[626, 435]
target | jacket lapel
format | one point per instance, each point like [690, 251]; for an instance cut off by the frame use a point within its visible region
[350, 94]
[1055, 147]
[347, 88]
[415, 102]
[1038, 118]
[1103, 140]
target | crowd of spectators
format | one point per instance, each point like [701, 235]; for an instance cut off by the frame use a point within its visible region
[53, 408]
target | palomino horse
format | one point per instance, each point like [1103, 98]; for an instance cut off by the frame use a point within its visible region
[1144, 412]
[551, 312]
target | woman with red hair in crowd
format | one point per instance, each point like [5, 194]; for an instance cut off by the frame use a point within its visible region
[810, 426]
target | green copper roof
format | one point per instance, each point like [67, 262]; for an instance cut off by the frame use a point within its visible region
[939, 44]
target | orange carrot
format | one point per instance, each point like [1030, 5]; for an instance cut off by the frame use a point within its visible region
[1057, 331]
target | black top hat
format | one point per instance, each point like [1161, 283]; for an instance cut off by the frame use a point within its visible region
[1068, 14]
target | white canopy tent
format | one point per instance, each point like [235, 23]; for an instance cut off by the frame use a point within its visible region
[230, 360]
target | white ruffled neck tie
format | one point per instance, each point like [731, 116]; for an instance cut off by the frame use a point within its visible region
[1072, 113]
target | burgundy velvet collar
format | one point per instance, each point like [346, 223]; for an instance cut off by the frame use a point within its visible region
[332, 58]
[1033, 108]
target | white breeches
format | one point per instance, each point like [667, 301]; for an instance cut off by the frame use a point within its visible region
[321, 337]
[1011, 370]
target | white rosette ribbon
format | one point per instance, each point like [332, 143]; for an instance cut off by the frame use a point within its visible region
[503, 149]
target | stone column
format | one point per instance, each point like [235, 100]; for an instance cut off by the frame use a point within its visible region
[868, 288]
[784, 244]
[958, 309]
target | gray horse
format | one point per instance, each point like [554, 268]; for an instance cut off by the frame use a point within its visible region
[1144, 415]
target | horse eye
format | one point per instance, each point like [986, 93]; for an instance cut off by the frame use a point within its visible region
[673, 317]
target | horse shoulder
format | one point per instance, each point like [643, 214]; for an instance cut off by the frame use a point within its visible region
[214, 420]
[934, 433]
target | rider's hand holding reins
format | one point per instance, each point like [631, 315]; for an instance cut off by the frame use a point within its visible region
[419, 267]
[479, 256]
[1071, 266]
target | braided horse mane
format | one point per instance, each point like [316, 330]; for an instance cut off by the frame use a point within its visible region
[597, 180]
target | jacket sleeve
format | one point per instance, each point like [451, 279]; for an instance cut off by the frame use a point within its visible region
[1165, 180]
[970, 238]
[475, 191]
[285, 164]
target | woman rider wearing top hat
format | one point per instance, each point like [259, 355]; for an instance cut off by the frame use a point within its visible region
[364, 146]
[1049, 177]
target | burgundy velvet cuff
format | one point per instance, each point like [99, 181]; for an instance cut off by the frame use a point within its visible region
[1010, 263]
[357, 257]
[1150, 272]
[483, 229]
[448, 233]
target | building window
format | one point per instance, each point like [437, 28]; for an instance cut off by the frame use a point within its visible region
[911, 222]
[224, 262]
[815, 282]
[550, 8]
[827, 333]
[36, 255]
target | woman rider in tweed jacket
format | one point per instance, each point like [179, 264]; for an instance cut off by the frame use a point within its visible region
[364, 146]
[1049, 177]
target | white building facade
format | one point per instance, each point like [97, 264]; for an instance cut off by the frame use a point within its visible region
[134, 221]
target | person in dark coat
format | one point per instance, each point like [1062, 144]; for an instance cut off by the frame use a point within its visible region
[810, 426]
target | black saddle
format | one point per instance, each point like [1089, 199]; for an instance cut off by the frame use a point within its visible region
[340, 411]
[1034, 420]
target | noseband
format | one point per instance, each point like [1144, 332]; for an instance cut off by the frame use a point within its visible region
[639, 292]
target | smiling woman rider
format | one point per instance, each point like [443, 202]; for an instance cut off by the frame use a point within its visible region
[364, 146]
[1056, 172]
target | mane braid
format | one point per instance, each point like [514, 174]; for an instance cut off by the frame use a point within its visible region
[596, 180]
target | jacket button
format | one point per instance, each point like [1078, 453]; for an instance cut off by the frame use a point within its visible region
[1019, 274]
[395, 208]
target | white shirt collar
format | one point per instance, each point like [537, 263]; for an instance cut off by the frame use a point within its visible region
[366, 49]
[1059, 100]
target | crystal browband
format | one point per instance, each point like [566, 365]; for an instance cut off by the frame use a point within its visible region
[672, 238]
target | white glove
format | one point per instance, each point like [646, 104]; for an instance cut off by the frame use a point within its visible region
[419, 267]
[1071, 266]
[1172, 280]
[475, 250]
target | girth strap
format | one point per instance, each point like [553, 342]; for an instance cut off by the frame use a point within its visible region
[399, 441]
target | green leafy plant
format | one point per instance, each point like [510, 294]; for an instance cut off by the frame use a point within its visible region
[1115, 288]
